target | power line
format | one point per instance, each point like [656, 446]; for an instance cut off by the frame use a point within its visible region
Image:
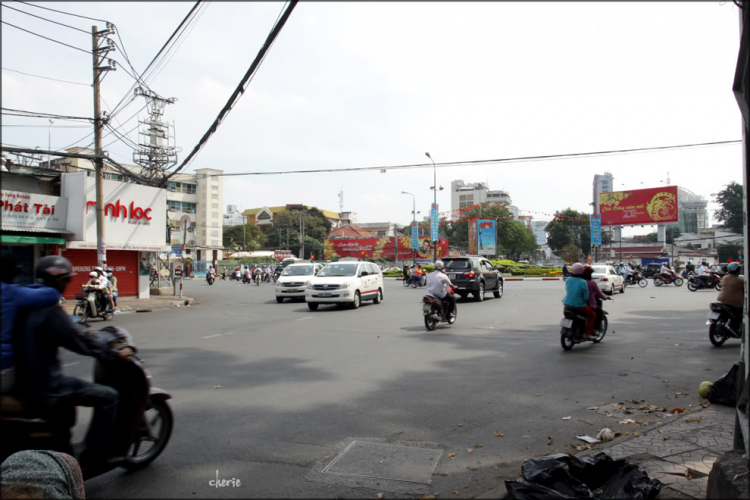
[47, 38]
[45, 19]
[240, 88]
[34, 114]
[45, 126]
[48, 78]
[61, 12]
[516, 159]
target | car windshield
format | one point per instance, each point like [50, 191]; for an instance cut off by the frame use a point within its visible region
[599, 270]
[457, 264]
[339, 270]
[298, 271]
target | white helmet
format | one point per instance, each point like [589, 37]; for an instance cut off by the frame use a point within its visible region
[439, 265]
[93, 274]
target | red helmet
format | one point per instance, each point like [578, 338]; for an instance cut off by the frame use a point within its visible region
[588, 270]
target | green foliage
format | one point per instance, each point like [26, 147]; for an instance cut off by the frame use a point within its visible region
[316, 228]
[570, 253]
[233, 237]
[513, 237]
[731, 212]
[570, 227]
[393, 274]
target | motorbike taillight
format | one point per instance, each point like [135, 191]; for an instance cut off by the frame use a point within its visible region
[717, 306]
[568, 314]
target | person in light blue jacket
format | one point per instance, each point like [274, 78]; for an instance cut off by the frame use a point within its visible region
[15, 298]
[577, 297]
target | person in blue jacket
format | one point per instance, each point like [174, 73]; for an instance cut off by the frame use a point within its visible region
[15, 298]
[577, 297]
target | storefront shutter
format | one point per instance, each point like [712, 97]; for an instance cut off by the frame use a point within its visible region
[123, 263]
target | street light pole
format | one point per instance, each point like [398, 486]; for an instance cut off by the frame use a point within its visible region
[49, 144]
[434, 188]
[413, 219]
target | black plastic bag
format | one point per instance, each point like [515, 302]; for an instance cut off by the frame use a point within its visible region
[567, 477]
[724, 390]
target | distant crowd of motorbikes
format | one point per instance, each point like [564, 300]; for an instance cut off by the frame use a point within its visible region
[255, 275]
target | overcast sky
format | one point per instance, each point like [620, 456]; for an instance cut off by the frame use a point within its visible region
[367, 84]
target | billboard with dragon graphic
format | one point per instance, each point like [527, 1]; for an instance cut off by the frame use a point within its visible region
[639, 206]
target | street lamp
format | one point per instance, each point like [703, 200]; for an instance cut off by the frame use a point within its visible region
[413, 219]
[435, 190]
[49, 144]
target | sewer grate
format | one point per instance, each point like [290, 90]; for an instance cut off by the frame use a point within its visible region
[386, 461]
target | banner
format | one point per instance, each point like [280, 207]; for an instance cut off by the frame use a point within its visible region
[640, 206]
[382, 248]
[414, 235]
[596, 230]
[434, 222]
[472, 238]
[282, 254]
[486, 237]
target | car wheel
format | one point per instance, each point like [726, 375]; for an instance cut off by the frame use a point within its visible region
[379, 297]
[357, 300]
[479, 294]
[313, 306]
[499, 291]
[279, 299]
[622, 290]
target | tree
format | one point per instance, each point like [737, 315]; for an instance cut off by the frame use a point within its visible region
[569, 253]
[234, 239]
[569, 227]
[516, 240]
[316, 229]
[459, 230]
[731, 213]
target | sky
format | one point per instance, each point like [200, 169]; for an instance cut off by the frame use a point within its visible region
[381, 83]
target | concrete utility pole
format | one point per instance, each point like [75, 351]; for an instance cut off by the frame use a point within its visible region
[184, 238]
[98, 55]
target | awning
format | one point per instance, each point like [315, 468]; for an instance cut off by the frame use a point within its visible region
[42, 240]
[22, 229]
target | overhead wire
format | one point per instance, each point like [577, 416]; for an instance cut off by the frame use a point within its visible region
[35, 114]
[47, 38]
[48, 78]
[45, 19]
[61, 12]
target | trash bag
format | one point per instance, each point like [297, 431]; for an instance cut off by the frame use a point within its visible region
[724, 390]
[567, 477]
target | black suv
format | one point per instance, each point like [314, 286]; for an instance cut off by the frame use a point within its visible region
[475, 275]
[651, 270]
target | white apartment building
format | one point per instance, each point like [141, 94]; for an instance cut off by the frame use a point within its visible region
[539, 232]
[233, 217]
[465, 195]
[194, 198]
[602, 184]
[379, 229]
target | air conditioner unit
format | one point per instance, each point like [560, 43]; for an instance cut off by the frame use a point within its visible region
[191, 243]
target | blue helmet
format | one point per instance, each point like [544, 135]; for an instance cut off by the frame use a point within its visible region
[733, 267]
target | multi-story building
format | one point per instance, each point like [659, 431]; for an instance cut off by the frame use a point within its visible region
[527, 220]
[692, 211]
[602, 184]
[379, 229]
[192, 199]
[233, 217]
[465, 195]
[263, 217]
[538, 226]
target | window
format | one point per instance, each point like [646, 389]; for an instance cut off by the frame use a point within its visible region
[381, 234]
[214, 215]
[174, 206]
[214, 224]
[214, 205]
[188, 207]
[214, 232]
[263, 216]
[172, 186]
[214, 188]
[214, 196]
[188, 188]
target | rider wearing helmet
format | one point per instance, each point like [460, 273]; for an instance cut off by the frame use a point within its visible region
[40, 382]
[595, 294]
[577, 297]
[438, 285]
[16, 298]
[732, 288]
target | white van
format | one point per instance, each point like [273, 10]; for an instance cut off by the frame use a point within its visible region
[293, 280]
[345, 283]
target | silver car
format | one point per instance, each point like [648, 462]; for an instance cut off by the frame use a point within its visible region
[608, 279]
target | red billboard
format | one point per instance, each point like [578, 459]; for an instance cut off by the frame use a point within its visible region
[383, 248]
[639, 206]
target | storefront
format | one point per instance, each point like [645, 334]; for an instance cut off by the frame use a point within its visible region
[134, 221]
[33, 226]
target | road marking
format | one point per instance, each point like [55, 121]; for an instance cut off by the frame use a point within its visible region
[306, 317]
[72, 364]
[212, 336]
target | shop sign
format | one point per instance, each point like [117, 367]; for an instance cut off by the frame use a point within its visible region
[31, 210]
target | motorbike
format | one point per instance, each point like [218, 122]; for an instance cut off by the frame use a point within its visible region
[724, 322]
[210, 279]
[86, 307]
[411, 281]
[143, 424]
[713, 281]
[257, 278]
[660, 280]
[574, 325]
[636, 279]
[435, 311]
[247, 278]
[687, 274]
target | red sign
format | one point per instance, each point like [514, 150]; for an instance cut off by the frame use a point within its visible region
[383, 248]
[640, 206]
[282, 254]
[118, 210]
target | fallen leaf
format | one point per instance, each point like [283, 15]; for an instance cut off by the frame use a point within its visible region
[626, 434]
[478, 445]
[217, 387]
[550, 441]
[566, 418]
[609, 414]
[627, 421]
[694, 420]
[525, 436]
[627, 412]
[613, 331]
[459, 425]
[537, 395]
[593, 408]
[498, 434]
[455, 493]
[547, 453]
[637, 434]
[678, 394]
[429, 497]
[635, 401]
[688, 475]
[665, 438]
[451, 455]
[380, 495]
[640, 422]
[470, 450]
[676, 410]
[704, 405]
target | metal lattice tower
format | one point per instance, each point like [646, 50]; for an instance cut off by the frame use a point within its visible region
[157, 150]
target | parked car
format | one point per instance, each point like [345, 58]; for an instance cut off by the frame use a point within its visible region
[475, 275]
[293, 280]
[651, 270]
[345, 282]
[608, 279]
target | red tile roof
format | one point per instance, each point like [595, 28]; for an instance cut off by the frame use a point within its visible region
[350, 232]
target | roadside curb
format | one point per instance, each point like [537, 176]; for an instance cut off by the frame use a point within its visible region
[142, 305]
[532, 279]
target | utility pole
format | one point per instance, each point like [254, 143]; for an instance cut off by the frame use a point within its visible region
[184, 238]
[244, 241]
[302, 234]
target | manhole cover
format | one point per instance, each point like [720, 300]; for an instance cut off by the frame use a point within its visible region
[386, 461]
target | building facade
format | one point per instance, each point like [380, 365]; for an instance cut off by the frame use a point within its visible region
[379, 229]
[692, 211]
[602, 184]
[233, 217]
[538, 227]
[264, 217]
[465, 195]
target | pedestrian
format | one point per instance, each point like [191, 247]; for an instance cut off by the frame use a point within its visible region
[112, 286]
[565, 270]
[406, 272]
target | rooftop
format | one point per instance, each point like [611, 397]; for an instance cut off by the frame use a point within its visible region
[350, 232]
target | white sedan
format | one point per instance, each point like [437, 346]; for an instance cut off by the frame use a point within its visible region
[608, 279]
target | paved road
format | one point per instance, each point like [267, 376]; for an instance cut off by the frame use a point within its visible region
[298, 386]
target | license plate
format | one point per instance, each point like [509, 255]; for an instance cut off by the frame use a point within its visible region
[426, 308]
[452, 276]
[566, 323]
[324, 294]
[713, 315]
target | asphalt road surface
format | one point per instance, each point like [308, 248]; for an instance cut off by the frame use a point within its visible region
[269, 394]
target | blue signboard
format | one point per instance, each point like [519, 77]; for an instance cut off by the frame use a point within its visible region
[414, 236]
[434, 223]
[596, 230]
[177, 250]
[486, 237]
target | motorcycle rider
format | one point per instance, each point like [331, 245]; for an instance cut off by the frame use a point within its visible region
[702, 274]
[438, 285]
[565, 270]
[665, 272]
[105, 289]
[94, 284]
[40, 381]
[16, 298]
[732, 292]
[113, 286]
[577, 297]
[594, 293]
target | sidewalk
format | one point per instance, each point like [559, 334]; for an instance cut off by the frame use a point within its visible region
[679, 453]
[132, 304]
